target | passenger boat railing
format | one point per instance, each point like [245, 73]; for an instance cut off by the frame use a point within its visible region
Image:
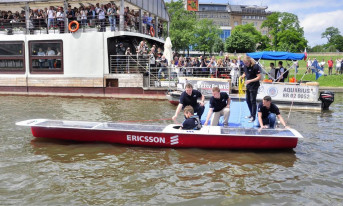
[128, 64]
[36, 25]
[168, 76]
[158, 76]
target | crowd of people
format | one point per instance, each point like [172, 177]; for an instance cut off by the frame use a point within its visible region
[330, 65]
[206, 67]
[185, 66]
[52, 63]
[100, 15]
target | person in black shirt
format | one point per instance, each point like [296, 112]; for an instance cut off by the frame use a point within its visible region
[220, 105]
[192, 121]
[253, 76]
[281, 73]
[190, 97]
[267, 113]
[120, 50]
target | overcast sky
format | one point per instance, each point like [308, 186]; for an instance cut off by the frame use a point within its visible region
[314, 15]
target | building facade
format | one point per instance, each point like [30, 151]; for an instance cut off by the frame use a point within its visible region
[241, 15]
[227, 17]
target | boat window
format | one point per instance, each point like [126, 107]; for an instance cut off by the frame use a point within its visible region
[12, 57]
[46, 56]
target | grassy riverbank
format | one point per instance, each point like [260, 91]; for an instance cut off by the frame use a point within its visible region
[326, 80]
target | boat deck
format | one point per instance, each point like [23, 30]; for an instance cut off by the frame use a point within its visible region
[172, 128]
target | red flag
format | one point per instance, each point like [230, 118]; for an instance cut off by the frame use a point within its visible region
[305, 52]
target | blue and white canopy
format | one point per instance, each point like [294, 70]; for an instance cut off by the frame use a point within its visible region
[270, 55]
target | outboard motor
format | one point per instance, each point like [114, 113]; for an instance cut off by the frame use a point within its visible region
[327, 97]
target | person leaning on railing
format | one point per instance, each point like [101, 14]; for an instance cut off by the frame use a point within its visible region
[83, 14]
[120, 50]
[213, 66]
[51, 14]
[111, 12]
[60, 19]
[102, 18]
[163, 68]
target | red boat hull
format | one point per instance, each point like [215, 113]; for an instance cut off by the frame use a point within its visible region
[156, 139]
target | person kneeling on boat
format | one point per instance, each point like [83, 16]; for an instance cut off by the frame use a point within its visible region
[192, 121]
[267, 113]
[220, 105]
[190, 97]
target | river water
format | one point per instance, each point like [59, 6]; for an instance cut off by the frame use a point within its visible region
[49, 172]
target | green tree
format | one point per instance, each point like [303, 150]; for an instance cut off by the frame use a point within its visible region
[283, 28]
[264, 44]
[338, 42]
[240, 42]
[317, 48]
[335, 39]
[182, 25]
[261, 41]
[218, 45]
[205, 35]
[291, 41]
[250, 30]
[330, 32]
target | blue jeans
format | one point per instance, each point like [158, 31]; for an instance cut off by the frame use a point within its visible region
[51, 63]
[270, 120]
[84, 22]
[164, 70]
[112, 20]
[41, 64]
[51, 22]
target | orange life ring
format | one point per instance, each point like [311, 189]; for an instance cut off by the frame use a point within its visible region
[71, 24]
[152, 31]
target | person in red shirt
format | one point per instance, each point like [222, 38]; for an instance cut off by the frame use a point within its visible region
[330, 65]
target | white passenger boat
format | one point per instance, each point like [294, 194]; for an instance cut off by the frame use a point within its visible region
[82, 62]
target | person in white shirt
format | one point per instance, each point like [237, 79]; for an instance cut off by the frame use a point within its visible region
[60, 19]
[321, 64]
[338, 66]
[41, 61]
[296, 64]
[51, 17]
[213, 66]
[273, 72]
[309, 64]
[102, 18]
[83, 13]
[234, 71]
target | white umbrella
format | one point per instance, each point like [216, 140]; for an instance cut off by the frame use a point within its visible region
[168, 53]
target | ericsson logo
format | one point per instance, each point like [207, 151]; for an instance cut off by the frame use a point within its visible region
[174, 140]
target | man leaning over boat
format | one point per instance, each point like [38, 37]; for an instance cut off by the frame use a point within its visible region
[190, 97]
[267, 113]
[220, 106]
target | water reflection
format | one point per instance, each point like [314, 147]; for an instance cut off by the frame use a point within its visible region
[68, 151]
[160, 175]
